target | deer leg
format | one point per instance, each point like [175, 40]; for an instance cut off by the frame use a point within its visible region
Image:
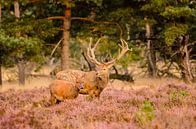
[53, 100]
[83, 91]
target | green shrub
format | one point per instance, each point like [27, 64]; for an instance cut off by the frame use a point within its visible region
[145, 113]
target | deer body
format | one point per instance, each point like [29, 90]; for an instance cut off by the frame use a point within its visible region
[70, 83]
[91, 83]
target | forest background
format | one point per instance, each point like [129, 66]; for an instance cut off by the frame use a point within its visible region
[160, 33]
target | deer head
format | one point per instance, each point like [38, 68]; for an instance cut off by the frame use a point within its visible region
[102, 68]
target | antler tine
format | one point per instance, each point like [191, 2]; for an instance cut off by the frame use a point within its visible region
[124, 48]
[91, 52]
[96, 43]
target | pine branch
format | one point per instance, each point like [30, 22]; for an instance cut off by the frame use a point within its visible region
[99, 22]
[56, 18]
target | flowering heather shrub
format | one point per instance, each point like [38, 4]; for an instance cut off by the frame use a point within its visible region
[169, 106]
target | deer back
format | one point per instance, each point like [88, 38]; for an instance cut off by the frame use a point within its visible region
[70, 75]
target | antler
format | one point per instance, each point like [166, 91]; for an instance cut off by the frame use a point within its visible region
[91, 53]
[125, 48]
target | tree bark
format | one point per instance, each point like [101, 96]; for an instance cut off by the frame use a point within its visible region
[21, 64]
[151, 57]
[0, 13]
[185, 64]
[21, 72]
[16, 9]
[66, 36]
[1, 82]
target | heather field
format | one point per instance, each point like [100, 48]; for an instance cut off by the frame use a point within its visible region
[167, 105]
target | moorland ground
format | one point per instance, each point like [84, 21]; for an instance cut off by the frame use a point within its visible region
[147, 103]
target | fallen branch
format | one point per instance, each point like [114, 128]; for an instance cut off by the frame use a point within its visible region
[123, 77]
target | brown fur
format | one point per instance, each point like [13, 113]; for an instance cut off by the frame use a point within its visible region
[92, 88]
[61, 90]
[91, 83]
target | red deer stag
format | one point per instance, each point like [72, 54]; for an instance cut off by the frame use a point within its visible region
[93, 82]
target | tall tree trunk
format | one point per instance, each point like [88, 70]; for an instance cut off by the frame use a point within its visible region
[185, 64]
[128, 31]
[66, 36]
[151, 57]
[0, 13]
[16, 9]
[21, 72]
[21, 62]
[1, 82]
